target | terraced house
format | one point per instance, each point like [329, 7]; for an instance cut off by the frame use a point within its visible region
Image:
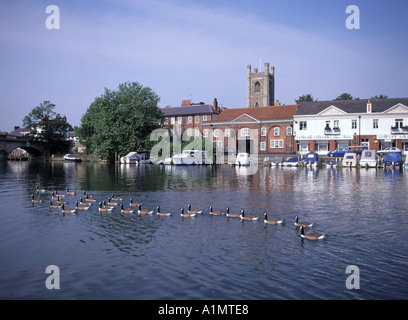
[323, 126]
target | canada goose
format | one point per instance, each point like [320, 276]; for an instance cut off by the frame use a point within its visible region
[67, 210]
[84, 203]
[88, 198]
[193, 211]
[61, 195]
[272, 221]
[244, 217]
[133, 204]
[34, 201]
[127, 210]
[71, 193]
[232, 214]
[186, 215]
[54, 197]
[116, 198]
[143, 211]
[112, 203]
[87, 195]
[60, 201]
[302, 223]
[215, 213]
[104, 209]
[112, 206]
[162, 213]
[40, 190]
[81, 206]
[54, 206]
[311, 235]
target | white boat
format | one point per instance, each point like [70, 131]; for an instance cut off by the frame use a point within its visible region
[130, 158]
[350, 160]
[191, 157]
[406, 162]
[368, 159]
[243, 159]
[71, 157]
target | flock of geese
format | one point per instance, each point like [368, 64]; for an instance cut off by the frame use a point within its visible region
[84, 203]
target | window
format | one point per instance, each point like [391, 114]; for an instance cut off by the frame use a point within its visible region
[197, 132]
[166, 121]
[179, 120]
[262, 146]
[353, 124]
[276, 144]
[256, 104]
[205, 118]
[302, 125]
[263, 132]
[197, 119]
[189, 119]
[173, 120]
[220, 144]
[227, 132]
[335, 124]
[216, 133]
[189, 132]
[289, 131]
[276, 131]
[327, 124]
[205, 133]
[257, 87]
[375, 123]
[245, 132]
[399, 123]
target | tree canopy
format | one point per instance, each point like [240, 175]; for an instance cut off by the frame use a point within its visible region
[120, 121]
[305, 97]
[346, 96]
[48, 128]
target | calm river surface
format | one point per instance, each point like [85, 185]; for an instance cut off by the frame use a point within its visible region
[114, 256]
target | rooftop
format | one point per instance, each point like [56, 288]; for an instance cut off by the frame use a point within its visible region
[260, 113]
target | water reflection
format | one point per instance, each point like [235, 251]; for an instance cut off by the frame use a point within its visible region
[148, 257]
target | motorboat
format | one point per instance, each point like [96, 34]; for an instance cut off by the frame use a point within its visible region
[393, 160]
[292, 162]
[350, 160]
[244, 159]
[191, 157]
[311, 159]
[130, 158]
[368, 159]
[72, 158]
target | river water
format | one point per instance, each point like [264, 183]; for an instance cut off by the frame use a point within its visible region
[114, 256]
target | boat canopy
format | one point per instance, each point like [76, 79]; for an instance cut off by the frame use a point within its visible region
[312, 157]
[393, 157]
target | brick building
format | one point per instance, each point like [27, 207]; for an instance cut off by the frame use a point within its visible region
[189, 117]
[269, 130]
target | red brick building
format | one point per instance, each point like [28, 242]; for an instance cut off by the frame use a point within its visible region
[271, 128]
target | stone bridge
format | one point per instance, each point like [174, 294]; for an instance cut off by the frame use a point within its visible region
[9, 143]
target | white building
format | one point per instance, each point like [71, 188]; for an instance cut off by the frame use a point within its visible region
[323, 126]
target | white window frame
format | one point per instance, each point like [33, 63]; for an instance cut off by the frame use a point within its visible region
[197, 119]
[216, 133]
[302, 125]
[375, 123]
[205, 117]
[205, 133]
[276, 131]
[263, 132]
[227, 133]
[276, 144]
[244, 132]
[262, 146]
[197, 132]
[179, 120]
[189, 119]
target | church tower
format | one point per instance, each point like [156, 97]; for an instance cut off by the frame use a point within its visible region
[261, 87]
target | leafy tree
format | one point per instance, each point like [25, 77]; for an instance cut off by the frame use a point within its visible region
[305, 97]
[120, 121]
[345, 96]
[47, 128]
[381, 96]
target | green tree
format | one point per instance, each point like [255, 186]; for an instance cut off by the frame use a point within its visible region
[48, 128]
[120, 121]
[381, 96]
[345, 96]
[305, 97]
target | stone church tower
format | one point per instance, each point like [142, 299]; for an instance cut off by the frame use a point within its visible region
[261, 87]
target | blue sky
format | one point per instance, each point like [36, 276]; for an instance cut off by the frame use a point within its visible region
[196, 49]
